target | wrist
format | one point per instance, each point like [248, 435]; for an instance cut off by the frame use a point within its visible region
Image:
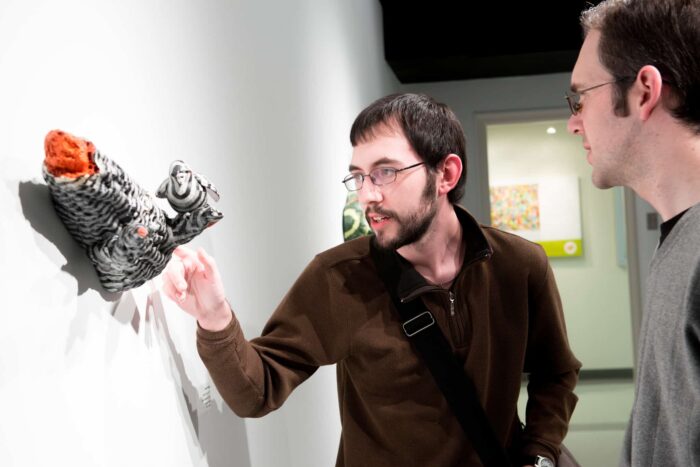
[542, 461]
[538, 461]
[217, 319]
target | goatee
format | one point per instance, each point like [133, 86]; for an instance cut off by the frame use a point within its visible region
[415, 226]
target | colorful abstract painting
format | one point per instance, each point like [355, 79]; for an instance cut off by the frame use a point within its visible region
[546, 210]
[515, 207]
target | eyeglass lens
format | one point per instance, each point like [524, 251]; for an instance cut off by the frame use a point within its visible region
[379, 176]
[574, 104]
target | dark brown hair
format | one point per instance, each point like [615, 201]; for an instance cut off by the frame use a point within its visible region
[431, 128]
[662, 33]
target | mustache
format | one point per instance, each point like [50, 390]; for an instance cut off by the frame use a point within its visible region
[380, 212]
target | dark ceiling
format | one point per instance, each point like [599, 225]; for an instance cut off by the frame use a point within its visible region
[453, 40]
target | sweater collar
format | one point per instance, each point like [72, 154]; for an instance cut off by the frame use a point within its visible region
[402, 277]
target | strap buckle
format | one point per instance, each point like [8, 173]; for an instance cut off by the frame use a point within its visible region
[418, 323]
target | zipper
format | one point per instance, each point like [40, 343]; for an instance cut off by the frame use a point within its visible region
[481, 256]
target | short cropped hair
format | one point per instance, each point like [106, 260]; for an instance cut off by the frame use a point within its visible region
[662, 33]
[431, 128]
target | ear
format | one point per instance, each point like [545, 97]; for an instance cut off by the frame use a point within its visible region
[649, 84]
[449, 173]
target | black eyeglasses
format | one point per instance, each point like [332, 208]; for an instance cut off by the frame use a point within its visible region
[379, 176]
[574, 98]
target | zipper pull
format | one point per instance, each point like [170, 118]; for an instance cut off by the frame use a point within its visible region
[452, 303]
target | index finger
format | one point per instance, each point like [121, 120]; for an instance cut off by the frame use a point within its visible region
[189, 259]
[209, 264]
[184, 252]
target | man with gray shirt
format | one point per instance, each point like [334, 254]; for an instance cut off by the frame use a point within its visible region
[635, 101]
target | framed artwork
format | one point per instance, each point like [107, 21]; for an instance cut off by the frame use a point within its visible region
[545, 210]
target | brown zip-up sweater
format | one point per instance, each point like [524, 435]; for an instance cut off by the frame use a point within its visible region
[502, 316]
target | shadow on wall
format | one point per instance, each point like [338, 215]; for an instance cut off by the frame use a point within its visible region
[218, 433]
[215, 429]
[37, 207]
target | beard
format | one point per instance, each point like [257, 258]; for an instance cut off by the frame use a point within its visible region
[413, 226]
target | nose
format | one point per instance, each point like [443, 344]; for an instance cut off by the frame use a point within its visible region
[574, 125]
[369, 193]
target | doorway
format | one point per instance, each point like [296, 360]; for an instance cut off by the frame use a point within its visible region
[540, 188]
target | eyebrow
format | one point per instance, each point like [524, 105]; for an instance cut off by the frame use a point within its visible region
[382, 161]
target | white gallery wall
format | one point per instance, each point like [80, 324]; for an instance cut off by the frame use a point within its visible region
[257, 95]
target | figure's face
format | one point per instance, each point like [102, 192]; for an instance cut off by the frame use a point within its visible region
[608, 139]
[182, 174]
[399, 213]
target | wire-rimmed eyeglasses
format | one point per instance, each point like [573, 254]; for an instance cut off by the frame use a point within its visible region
[379, 176]
[574, 98]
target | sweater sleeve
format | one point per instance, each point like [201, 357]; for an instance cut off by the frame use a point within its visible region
[692, 361]
[552, 368]
[305, 331]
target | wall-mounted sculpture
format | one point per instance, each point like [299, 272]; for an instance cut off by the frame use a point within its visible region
[128, 238]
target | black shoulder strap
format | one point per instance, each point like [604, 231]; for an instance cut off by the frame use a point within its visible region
[425, 335]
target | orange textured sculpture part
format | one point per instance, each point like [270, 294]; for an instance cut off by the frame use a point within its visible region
[68, 155]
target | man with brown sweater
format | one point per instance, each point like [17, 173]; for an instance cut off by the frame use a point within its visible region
[492, 294]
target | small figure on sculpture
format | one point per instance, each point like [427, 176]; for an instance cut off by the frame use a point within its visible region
[185, 190]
